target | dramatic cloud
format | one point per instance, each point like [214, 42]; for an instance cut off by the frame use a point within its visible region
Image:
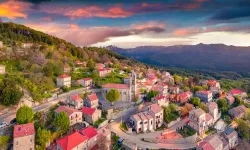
[14, 9]
[92, 35]
[232, 13]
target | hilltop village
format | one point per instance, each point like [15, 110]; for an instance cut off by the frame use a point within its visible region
[148, 109]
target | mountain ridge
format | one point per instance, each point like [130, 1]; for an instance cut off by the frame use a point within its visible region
[213, 57]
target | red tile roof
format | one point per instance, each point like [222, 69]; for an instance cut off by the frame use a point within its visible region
[24, 130]
[116, 86]
[63, 76]
[204, 92]
[159, 97]
[155, 108]
[212, 82]
[66, 109]
[92, 97]
[236, 92]
[88, 111]
[90, 132]
[76, 97]
[72, 140]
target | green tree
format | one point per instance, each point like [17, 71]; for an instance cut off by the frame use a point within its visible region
[223, 105]
[24, 115]
[4, 140]
[238, 101]
[94, 74]
[42, 137]
[11, 95]
[113, 95]
[151, 94]
[62, 122]
[173, 107]
[186, 88]
[247, 114]
[177, 78]
[243, 128]
[203, 106]
[195, 101]
[91, 64]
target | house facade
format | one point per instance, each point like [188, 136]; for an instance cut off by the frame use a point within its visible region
[92, 101]
[92, 136]
[85, 82]
[91, 115]
[75, 101]
[24, 137]
[231, 137]
[148, 120]
[197, 120]
[66, 68]
[63, 80]
[205, 96]
[103, 72]
[160, 100]
[74, 115]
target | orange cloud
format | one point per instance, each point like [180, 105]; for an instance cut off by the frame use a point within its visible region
[73, 26]
[14, 9]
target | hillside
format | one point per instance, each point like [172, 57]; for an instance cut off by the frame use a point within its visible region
[34, 59]
[214, 57]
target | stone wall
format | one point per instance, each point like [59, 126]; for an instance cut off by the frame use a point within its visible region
[173, 122]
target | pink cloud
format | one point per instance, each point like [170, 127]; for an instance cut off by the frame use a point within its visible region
[14, 9]
[92, 35]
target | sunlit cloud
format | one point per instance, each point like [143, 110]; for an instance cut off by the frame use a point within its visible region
[14, 9]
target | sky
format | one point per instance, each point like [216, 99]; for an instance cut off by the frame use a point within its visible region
[131, 23]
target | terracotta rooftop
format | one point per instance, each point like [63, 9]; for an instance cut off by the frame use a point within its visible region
[63, 76]
[24, 130]
[236, 92]
[159, 97]
[155, 108]
[90, 132]
[88, 110]
[208, 117]
[204, 92]
[76, 97]
[92, 97]
[66, 109]
[116, 86]
[71, 141]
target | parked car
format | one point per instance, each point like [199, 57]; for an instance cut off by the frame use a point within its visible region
[13, 121]
[120, 141]
[3, 124]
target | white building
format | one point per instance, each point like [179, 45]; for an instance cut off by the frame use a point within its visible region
[160, 100]
[75, 101]
[85, 82]
[148, 120]
[63, 80]
[205, 96]
[2, 69]
[74, 115]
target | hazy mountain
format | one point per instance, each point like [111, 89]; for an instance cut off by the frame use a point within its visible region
[215, 57]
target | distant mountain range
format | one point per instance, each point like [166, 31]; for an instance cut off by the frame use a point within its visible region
[214, 57]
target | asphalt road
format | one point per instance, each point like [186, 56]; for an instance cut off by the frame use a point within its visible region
[136, 138]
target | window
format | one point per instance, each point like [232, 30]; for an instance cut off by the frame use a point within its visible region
[151, 122]
[31, 140]
[140, 122]
[16, 142]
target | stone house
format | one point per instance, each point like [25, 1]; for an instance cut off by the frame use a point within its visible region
[237, 112]
[24, 137]
[63, 80]
[91, 115]
[205, 96]
[85, 82]
[74, 115]
[103, 72]
[75, 101]
[66, 68]
[231, 137]
[92, 136]
[92, 101]
[160, 100]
